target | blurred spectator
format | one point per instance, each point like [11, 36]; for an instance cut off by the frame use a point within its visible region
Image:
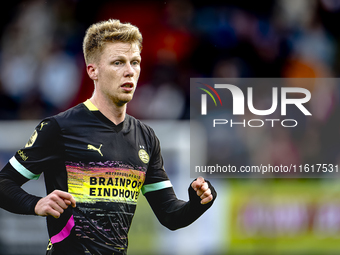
[32, 73]
[8, 107]
[18, 75]
[59, 80]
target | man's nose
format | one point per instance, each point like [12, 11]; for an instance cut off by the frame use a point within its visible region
[129, 71]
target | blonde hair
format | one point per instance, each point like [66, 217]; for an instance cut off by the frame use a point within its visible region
[103, 32]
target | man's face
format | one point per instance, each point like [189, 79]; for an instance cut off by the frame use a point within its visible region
[118, 70]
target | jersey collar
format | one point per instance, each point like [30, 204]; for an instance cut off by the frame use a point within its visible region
[124, 126]
[90, 105]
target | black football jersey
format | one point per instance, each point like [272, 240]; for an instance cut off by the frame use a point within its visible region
[104, 166]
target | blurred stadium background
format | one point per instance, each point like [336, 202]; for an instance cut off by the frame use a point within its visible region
[42, 72]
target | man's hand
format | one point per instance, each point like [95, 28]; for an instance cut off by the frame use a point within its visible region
[54, 204]
[202, 190]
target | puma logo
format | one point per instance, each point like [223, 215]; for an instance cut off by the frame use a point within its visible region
[42, 125]
[91, 147]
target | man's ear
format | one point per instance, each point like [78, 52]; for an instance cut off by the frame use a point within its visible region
[92, 71]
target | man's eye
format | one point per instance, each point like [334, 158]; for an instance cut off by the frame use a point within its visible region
[135, 63]
[117, 63]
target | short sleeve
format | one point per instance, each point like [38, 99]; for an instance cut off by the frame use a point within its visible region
[156, 177]
[40, 152]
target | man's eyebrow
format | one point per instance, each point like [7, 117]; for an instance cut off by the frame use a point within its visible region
[122, 56]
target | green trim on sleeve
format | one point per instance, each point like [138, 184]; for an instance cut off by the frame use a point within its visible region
[156, 186]
[23, 170]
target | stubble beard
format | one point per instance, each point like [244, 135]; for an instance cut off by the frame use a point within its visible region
[121, 99]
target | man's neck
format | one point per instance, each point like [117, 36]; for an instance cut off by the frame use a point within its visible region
[110, 110]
